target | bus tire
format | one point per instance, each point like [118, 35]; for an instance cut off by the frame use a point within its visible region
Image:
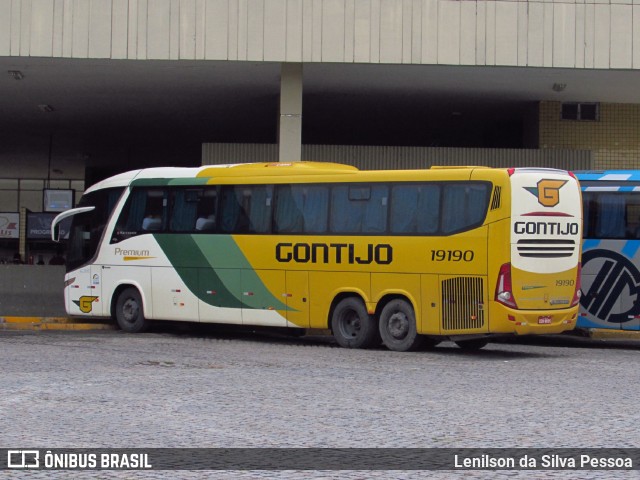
[352, 325]
[398, 326]
[470, 345]
[129, 311]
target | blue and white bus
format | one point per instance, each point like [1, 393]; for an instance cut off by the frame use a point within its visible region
[611, 250]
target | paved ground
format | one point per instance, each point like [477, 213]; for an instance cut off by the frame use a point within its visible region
[183, 388]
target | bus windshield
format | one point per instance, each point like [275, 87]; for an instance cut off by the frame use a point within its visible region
[87, 227]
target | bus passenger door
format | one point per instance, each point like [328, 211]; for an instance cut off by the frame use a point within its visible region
[297, 297]
[262, 297]
[84, 294]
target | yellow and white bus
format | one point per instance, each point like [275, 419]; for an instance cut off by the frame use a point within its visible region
[398, 257]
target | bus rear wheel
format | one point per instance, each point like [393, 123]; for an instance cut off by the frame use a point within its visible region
[352, 325]
[398, 326]
[475, 344]
[129, 311]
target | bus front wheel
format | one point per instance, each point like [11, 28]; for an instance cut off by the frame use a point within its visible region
[129, 311]
[398, 326]
[352, 325]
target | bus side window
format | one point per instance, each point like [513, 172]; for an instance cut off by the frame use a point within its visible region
[610, 221]
[375, 211]
[633, 215]
[301, 209]
[246, 209]
[587, 211]
[258, 201]
[346, 215]
[206, 221]
[152, 222]
[234, 212]
[142, 213]
[415, 208]
[315, 208]
[360, 208]
[153, 212]
[184, 209]
[464, 206]
[289, 205]
[231, 211]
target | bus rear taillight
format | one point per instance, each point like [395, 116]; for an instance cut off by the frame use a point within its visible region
[504, 292]
[578, 293]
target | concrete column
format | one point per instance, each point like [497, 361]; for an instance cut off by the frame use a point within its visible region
[290, 124]
[22, 241]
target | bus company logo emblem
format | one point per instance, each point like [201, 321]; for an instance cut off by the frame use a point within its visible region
[547, 191]
[85, 303]
[617, 283]
[23, 459]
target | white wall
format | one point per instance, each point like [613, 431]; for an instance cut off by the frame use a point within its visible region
[545, 33]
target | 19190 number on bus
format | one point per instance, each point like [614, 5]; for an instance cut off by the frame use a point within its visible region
[452, 255]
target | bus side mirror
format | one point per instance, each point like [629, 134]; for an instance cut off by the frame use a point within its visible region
[55, 231]
[55, 224]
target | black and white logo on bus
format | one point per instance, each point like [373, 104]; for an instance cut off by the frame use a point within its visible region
[616, 281]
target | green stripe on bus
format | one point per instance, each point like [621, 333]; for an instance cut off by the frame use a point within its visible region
[222, 252]
[210, 266]
[192, 267]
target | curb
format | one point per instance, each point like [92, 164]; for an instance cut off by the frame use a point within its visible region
[50, 323]
[606, 334]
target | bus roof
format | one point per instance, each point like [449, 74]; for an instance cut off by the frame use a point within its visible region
[174, 175]
[276, 168]
[609, 175]
[226, 170]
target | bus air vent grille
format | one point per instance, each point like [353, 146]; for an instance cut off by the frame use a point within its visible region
[495, 202]
[546, 248]
[462, 303]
